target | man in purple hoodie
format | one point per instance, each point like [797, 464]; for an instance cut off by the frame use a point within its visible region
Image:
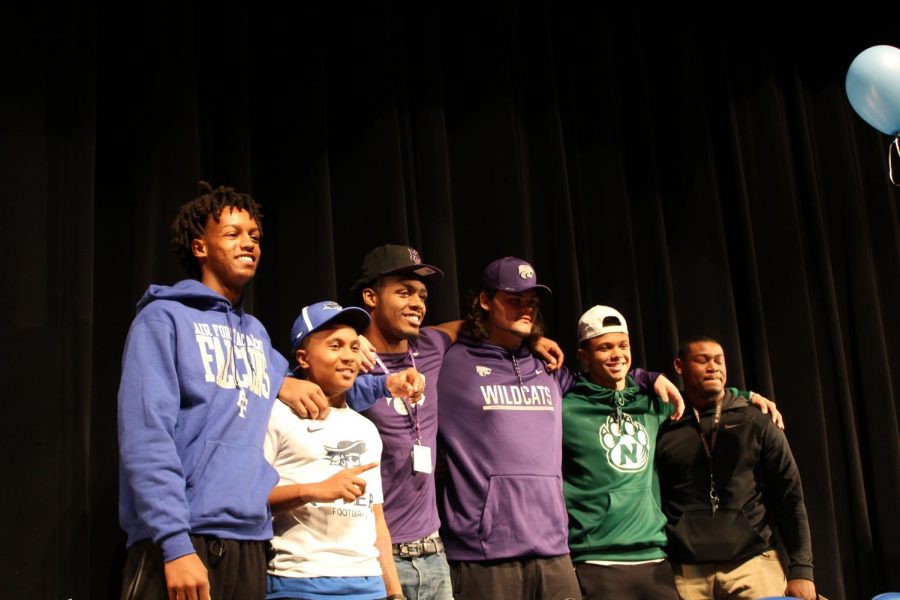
[504, 519]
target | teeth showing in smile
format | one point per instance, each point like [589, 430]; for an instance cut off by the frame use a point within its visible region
[414, 318]
[246, 259]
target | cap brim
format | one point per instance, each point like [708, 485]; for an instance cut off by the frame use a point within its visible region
[422, 271]
[539, 287]
[427, 273]
[352, 316]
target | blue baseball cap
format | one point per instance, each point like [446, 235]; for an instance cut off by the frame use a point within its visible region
[315, 316]
[511, 274]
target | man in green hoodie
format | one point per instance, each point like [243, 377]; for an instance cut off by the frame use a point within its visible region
[616, 528]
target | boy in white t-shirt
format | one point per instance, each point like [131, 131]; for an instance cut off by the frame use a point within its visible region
[331, 540]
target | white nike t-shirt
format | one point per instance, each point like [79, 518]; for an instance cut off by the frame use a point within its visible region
[324, 539]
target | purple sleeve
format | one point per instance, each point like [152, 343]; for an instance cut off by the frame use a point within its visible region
[366, 391]
[566, 379]
[645, 380]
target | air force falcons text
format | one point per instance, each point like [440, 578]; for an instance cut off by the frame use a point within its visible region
[516, 397]
[232, 359]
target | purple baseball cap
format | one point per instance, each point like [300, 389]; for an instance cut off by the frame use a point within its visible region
[511, 274]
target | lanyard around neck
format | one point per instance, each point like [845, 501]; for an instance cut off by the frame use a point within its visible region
[709, 447]
[412, 410]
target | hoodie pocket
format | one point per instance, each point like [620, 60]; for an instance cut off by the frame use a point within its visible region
[230, 486]
[633, 517]
[524, 514]
[723, 537]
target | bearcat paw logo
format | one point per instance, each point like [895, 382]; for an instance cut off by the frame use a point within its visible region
[626, 442]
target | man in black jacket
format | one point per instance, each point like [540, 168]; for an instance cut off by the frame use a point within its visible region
[725, 472]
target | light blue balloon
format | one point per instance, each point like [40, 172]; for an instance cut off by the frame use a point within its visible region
[873, 87]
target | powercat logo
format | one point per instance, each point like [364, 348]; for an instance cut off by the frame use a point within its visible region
[526, 272]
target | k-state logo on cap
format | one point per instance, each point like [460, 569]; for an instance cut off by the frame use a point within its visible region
[331, 306]
[414, 256]
[526, 272]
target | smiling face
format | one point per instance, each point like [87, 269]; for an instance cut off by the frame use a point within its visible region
[330, 357]
[228, 252]
[607, 358]
[397, 308]
[511, 316]
[702, 368]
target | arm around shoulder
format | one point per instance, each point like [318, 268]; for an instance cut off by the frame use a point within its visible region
[451, 329]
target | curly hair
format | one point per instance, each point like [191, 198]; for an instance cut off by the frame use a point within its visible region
[475, 324]
[190, 222]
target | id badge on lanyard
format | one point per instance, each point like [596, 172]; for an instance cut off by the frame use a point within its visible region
[421, 458]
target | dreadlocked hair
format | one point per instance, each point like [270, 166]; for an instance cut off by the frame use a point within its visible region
[475, 324]
[190, 222]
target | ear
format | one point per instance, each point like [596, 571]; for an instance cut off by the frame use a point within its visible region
[198, 247]
[370, 297]
[301, 355]
[484, 301]
[581, 355]
[678, 365]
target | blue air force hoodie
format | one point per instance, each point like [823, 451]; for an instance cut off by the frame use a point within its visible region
[199, 377]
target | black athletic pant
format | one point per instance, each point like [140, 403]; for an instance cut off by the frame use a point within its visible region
[528, 579]
[647, 581]
[236, 569]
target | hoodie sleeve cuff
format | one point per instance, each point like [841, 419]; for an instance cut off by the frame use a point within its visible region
[176, 546]
[800, 572]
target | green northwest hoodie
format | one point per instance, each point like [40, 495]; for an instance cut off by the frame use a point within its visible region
[609, 479]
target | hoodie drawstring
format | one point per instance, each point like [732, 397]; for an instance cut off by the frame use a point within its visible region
[518, 373]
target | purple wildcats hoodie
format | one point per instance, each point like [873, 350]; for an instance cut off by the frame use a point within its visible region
[500, 421]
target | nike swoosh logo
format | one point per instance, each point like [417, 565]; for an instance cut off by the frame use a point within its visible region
[538, 371]
[733, 425]
[314, 428]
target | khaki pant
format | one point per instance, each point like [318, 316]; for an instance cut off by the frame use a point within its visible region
[753, 578]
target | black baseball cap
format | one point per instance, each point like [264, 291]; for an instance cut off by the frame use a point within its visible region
[395, 259]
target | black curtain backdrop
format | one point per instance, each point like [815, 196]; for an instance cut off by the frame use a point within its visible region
[698, 167]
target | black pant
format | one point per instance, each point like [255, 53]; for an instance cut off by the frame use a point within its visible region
[648, 581]
[236, 569]
[528, 579]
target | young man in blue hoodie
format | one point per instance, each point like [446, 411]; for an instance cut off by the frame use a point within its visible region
[199, 377]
